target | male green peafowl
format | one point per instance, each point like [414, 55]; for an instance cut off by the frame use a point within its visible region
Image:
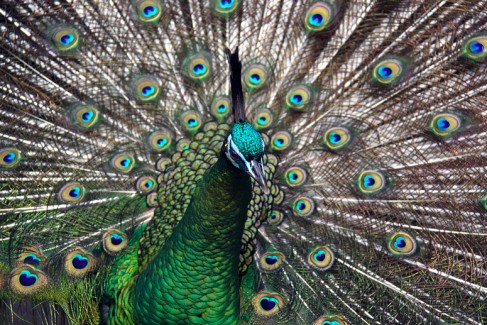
[330, 170]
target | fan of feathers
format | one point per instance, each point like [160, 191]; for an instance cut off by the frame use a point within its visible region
[373, 114]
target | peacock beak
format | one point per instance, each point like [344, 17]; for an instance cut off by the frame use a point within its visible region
[256, 171]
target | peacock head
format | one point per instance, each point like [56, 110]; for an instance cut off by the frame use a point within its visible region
[244, 148]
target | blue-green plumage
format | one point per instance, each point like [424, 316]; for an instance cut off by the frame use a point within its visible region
[333, 176]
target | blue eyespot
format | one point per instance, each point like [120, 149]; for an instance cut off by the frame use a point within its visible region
[268, 303]
[442, 124]
[476, 48]
[150, 11]
[327, 322]
[192, 122]
[400, 243]
[296, 99]
[186, 147]
[300, 206]
[161, 142]
[79, 261]
[255, 78]
[27, 279]
[199, 69]
[125, 163]
[334, 137]
[222, 108]
[75, 192]
[369, 181]
[226, 4]
[279, 142]
[320, 255]
[262, 120]
[148, 90]
[384, 72]
[66, 39]
[149, 184]
[316, 20]
[87, 116]
[271, 259]
[32, 259]
[293, 177]
[116, 239]
[9, 158]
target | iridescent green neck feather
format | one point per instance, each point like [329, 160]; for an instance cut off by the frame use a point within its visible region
[194, 279]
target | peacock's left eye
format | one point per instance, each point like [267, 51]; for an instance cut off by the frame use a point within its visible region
[234, 155]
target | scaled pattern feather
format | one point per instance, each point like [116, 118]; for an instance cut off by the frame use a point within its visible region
[127, 185]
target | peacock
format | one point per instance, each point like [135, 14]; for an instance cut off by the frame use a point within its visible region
[237, 162]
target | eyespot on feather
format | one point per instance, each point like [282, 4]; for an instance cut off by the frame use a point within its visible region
[27, 280]
[114, 241]
[9, 158]
[321, 258]
[71, 192]
[79, 262]
[267, 303]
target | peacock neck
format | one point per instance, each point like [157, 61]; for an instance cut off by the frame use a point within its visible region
[194, 279]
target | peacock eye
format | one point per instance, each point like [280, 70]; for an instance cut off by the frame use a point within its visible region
[234, 155]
